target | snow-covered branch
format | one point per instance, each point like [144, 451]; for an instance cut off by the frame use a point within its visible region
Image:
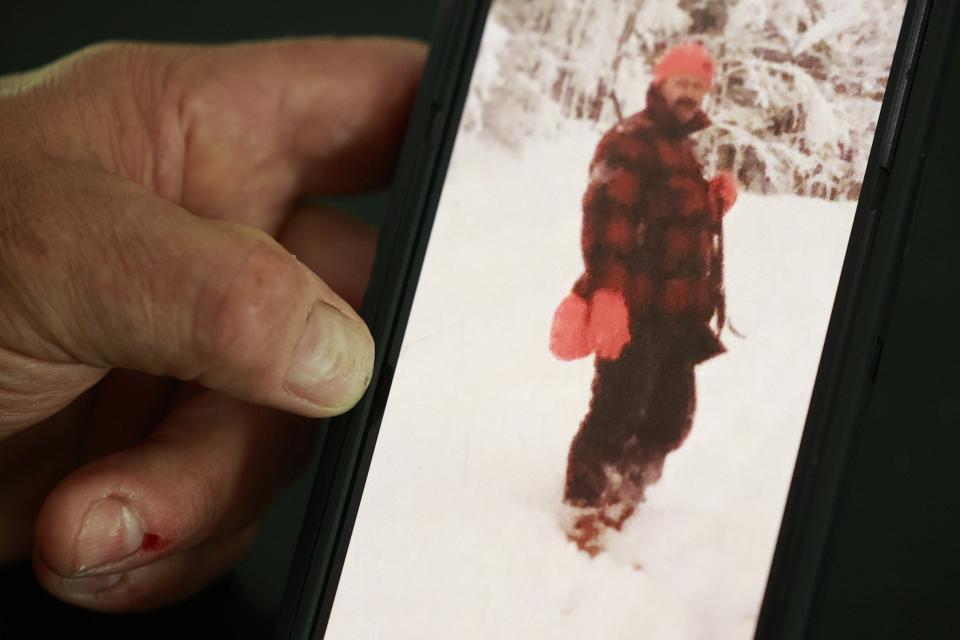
[798, 87]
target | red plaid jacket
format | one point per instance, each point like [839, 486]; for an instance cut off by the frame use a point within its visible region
[650, 226]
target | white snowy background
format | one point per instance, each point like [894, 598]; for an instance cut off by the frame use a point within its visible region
[459, 534]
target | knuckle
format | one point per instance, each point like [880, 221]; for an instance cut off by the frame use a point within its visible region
[99, 71]
[250, 316]
[107, 51]
[112, 58]
[112, 95]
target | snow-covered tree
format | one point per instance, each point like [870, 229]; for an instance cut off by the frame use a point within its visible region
[798, 92]
[799, 82]
[556, 61]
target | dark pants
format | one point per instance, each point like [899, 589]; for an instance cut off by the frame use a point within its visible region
[642, 409]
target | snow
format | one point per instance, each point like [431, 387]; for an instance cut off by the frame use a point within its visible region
[663, 16]
[796, 94]
[459, 535]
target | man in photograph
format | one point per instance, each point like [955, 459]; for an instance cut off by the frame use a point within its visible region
[650, 303]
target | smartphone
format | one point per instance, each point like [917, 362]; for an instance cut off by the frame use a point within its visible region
[629, 307]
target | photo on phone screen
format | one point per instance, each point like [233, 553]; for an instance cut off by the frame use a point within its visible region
[603, 383]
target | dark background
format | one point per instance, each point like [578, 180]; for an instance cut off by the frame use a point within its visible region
[33, 33]
[893, 568]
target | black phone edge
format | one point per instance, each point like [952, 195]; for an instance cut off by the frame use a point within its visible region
[842, 387]
[854, 341]
[350, 439]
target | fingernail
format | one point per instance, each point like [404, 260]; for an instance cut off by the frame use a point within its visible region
[92, 584]
[110, 532]
[333, 360]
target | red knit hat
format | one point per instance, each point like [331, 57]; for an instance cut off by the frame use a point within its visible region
[690, 59]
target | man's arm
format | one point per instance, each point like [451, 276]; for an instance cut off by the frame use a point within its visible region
[610, 204]
[594, 318]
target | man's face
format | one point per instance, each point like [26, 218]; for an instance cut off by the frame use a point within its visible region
[684, 95]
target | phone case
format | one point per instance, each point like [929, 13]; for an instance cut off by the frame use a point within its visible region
[348, 445]
[848, 367]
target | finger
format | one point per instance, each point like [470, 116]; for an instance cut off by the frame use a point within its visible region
[119, 413]
[26, 478]
[208, 471]
[158, 290]
[338, 247]
[164, 582]
[333, 110]
[239, 132]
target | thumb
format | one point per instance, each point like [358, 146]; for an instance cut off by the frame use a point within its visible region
[151, 287]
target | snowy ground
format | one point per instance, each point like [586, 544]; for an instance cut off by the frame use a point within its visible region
[458, 533]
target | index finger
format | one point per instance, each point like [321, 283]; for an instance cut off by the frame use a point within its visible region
[239, 132]
[335, 108]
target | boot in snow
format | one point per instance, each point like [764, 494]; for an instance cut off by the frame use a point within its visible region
[586, 530]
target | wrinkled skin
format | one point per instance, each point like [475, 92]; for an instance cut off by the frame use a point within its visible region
[156, 330]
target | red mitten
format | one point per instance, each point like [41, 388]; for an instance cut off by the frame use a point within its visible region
[609, 330]
[723, 191]
[568, 336]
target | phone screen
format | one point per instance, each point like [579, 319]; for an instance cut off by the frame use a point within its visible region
[604, 379]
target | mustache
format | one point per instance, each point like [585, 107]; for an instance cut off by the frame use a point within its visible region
[689, 103]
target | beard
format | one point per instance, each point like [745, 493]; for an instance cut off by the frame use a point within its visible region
[685, 108]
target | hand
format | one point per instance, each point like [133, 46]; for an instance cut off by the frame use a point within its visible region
[609, 330]
[155, 338]
[568, 334]
[723, 191]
